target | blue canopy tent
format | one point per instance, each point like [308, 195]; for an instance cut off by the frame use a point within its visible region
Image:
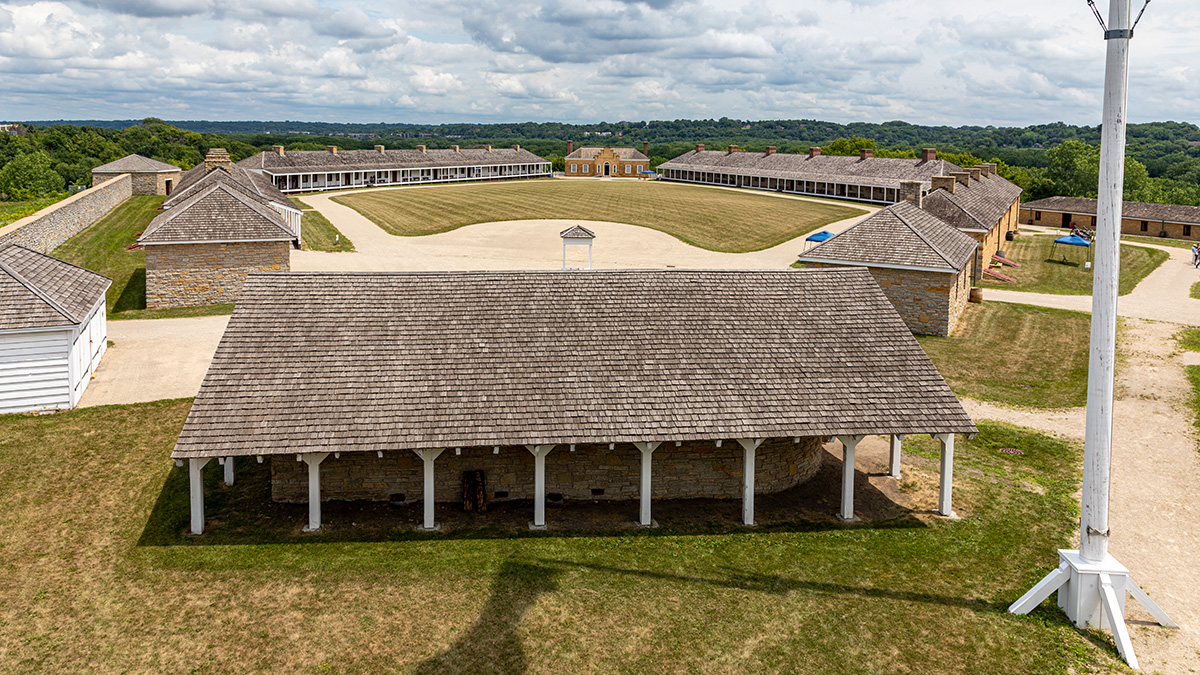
[1073, 240]
[817, 238]
[646, 173]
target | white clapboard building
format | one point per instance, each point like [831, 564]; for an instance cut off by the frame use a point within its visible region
[52, 330]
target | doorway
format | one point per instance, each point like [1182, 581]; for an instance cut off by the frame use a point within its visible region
[1066, 220]
[168, 186]
[607, 169]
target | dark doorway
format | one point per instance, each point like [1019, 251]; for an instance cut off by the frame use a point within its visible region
[169, 181]
[607, 169]
[1066, 220]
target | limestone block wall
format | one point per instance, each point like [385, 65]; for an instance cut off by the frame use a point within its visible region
[929, 302]
[183, 275]
[147, 183]
[695, 469]
[47, 229]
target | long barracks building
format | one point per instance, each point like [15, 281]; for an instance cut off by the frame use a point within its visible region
[333, 169]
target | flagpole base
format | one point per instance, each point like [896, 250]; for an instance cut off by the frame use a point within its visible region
[1093, 596]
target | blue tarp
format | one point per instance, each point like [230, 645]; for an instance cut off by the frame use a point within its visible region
[646, 171]
[1073, 240]
[820, 236]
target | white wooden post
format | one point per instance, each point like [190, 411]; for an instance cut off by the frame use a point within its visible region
[429, 455]
[849, 444]
[539, 485]
[647, 449]
[196, 491]
[897, 441]
[313, 460]
[228, 471]
[749, 445]
[946, 467]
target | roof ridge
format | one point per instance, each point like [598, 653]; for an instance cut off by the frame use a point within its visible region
[962, 207]
[263, 210]
[174, 212]
[37, 291]
[922, 237]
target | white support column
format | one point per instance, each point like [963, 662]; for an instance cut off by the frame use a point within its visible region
[539, 485]
[946, 486]
[897, 441]
[647, 448]
[749, 445]
[849, 444]
[429, 455]
[228, 471]
[313, 460]
[196, 491]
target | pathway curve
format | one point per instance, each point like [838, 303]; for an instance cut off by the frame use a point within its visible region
[526, 245]
[1154, 513]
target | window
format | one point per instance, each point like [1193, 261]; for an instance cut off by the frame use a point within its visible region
[626, 168]
[1145, 226]
[574, 168]
[585, 167]
[1187, 230]
[1037, 215]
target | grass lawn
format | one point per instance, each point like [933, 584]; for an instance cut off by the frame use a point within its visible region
[101, 248]
[717, 220]
[1195, 290]
[318, 234]
[1189, 339]
[98, 577]
[1193, 375]
[1016, 354]
[1043, 271]
[299, 204]
[11, 212]
[1159, 241]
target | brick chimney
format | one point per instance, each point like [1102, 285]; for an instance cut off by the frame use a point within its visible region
[421, 148]
[646, 148]
[570, 147]
[217, 158]
[699, 147]
[975, 172]
[379, 149]
[910, 191]
[771, 150]
[277, 149]
[813, 152]
[944, 182]
[963, 177]
[331, 148]
[928, 154]
[866, 153]
[733, 149]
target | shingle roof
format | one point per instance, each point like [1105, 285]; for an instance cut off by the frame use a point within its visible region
[135, 164]
[872, 171]
[38, 291]
[251, 181]
[577, 232]
[317, 161]
[901, 235]
[391, 361]
[219, 212]
[976, 205]
[589, 152]
[1171, 213]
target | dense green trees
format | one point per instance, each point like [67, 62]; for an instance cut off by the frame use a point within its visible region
[29, 176]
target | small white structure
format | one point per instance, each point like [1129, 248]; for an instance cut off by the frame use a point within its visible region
[577, 235]
[52, 330]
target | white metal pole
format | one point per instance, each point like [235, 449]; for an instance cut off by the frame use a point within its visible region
[1097, 449]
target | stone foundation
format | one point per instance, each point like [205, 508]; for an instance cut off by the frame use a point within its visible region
[696, 469]
[184, 275]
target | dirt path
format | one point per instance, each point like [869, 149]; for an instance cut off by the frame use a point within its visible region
[1154, 516]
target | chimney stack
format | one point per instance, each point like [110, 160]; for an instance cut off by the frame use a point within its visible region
[865, 153]
[813, 152]
[771, 150]
[928, 154]
[570, 147]
[278, 149]
[379, 149]
[975, 172]
[910, 191]
[331, 148]
[646, 148]
[517, 148]
[733, 149]
[217, 158]
[987, 168]
[421, 148]
[963, 177]
[489, 148]
[944, 182]
[699, 147]
[455, 148]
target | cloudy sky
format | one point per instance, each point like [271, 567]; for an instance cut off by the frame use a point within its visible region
[950, 62]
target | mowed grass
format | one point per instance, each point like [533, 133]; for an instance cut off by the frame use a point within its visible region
[1015, 354]
[713, 219]
[1157, 241]
[102, 248]
[1043, 269]
[318, 234]
[99, 577]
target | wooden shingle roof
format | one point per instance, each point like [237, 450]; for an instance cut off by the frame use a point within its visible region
[977, 205]
[252, 182]
[577, 232]
[321, 161]
[393, 361]
[1171, 213]
[38, 291]
[900, 235]
[219, 212]
[871, 171]
[135, 164]
[589, 152]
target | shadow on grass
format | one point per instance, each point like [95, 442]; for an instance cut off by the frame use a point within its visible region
[133, 296]
[245, 514]
[492, 644]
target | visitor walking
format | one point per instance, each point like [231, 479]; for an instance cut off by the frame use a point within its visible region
[1195, 255]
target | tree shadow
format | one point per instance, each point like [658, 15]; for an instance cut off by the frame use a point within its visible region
[133, 295]
[492, 644]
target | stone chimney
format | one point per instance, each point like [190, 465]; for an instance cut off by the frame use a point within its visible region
[928, 154]
[331, 148]
[277, 149]
[489, 148]
[217, 158]
[989, 169]
[910, 191]
[975, 172]
[517, 148]
[866, 153]
[732, 149]
[699, 147]
[771, 150]
[646, 148]
[455, 148]
[570, 147]
[944, 182]
[963, 177]
[421, 148]
[813, 152]
[379, 149]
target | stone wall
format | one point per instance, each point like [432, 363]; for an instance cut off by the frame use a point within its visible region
[47, 229]
[695, 469]
[144, 183]
[930, 303]
[183, 275]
